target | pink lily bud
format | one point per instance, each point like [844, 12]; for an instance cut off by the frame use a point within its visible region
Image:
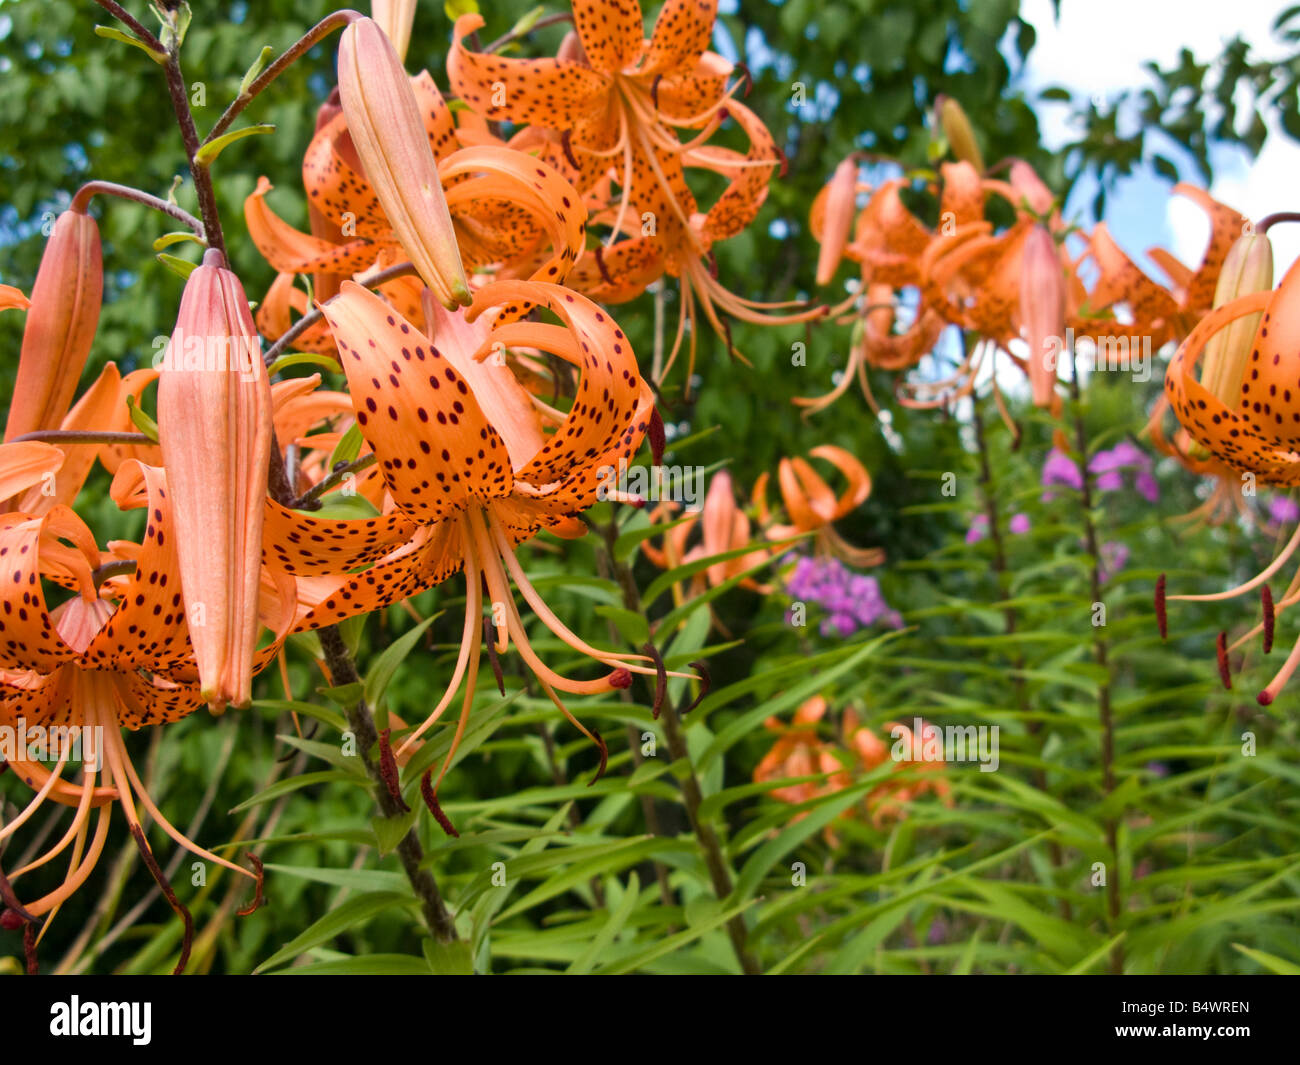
[60, 325]
[384, 120]
[1042, 311]
[841, 198]
[957, 128]
[395, 17]
[214, 425]
[1025, 180]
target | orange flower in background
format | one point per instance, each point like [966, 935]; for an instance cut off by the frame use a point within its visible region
[471, 471]
[115, 655]
[61, 323]
[800, 752]
[723, 527]
[811, 505]
[606, 111]
[214, 425]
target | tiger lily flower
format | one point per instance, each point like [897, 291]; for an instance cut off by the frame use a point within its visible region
[1042, 311]
[1257, 433]
[615, 96]
[832, 217]
[1247, 269]
[388, 133]
[61, 323]
[812, 506]
[470, 470]
[724, 527]
[918, 775]
[800, 752]
[114, 656]
[395, 18]
[214, 425]
[505, 206]
[1162, 312]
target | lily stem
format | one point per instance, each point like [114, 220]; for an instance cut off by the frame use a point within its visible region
[1099, 651]
[322, 29]
[124, 192]
[1035, 727]
[190, 136]
[362, 723]
[692, 794]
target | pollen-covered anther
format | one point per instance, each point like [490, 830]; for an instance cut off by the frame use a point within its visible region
[620, 678]
[1162, 612]
[1221, 653]
[388, 769]
[431, 801]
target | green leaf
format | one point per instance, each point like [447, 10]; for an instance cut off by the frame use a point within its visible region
[365, 965]
[672, 943]
[176, 237]
[631, 625]
[348, 447]
[385, 666]
[448, 959]
[352, 912]
[343, 694]
[293, 706]
[112, 33]
[390, 831]
[259, 64]
[305, 358]
[182, 268]
[285, 787]
[214, 148]
[583, 963]
[141, 420]
[1271, 962]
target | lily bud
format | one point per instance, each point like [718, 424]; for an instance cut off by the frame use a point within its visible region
[395, 17]
[384, 121]
[841, 198]
[1248, 268]
[957, 129]
[214, 426]
[1025, 180]
[60, 325]
[1042, 311]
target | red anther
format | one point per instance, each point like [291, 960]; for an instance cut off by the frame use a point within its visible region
[495, 662]
[259, 900]
[621, 678]
[1264, 698]
[1266, 600]
[749, 79]
[600, 265]
[1221, 649]
[29, 949]
[164, 885]
[706, 682]
[635, 501]
[785, 162]
[654, 91]
[658, 438]
[1162, 615]
[4, 766]
[431, 801]
[661, 679]
[10, 921]
[388, 770]
[604, 755]
[568, 149]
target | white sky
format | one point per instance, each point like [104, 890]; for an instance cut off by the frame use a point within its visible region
[1099, 46]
